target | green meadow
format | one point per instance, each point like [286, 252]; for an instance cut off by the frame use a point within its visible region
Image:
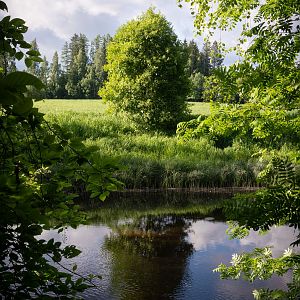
[153, 159]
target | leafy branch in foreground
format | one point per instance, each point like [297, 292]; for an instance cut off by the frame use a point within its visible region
[38, 171]
[279, 204]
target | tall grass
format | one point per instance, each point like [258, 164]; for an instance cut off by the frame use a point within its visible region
[152, 159]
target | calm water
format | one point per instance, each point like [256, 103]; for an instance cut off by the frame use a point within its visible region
[166, 256]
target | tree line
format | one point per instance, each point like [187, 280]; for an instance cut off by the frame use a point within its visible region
[78, 72]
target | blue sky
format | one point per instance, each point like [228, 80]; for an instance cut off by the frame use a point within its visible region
[54, 22]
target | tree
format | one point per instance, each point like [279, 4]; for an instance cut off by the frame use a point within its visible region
[146, 76]
[55, 87]
[39, 165]
[216, 58]
[206, 66]
[76, 63]
[34, 67]
[197, 86]
[268, 77]
[200, 65]
[194, 57]
[95, 74]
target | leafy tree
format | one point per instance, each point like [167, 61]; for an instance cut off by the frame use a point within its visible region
[278, 204]
[268, 77]
[146, 76]
[39, 165]
[197, 86]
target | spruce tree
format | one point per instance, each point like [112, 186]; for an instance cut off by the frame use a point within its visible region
[216, 56]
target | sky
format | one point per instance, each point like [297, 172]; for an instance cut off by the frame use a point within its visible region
[53, 22]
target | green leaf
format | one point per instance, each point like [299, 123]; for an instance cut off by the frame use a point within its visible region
[21, 79]
[17, 22]
[23, 106]
[3, 6]
[19, 55]
[7, 97]
[103, 196]
[24, 45]
[28, 62]
[33, 53]
[36, 58]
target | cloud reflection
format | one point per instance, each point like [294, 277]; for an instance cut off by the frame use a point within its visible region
[204, 234]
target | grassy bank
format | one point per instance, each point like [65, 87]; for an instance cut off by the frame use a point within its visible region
[153, 160]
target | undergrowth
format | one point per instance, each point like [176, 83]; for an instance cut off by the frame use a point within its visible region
[154, 159]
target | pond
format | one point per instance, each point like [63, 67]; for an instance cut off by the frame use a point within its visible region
[165, 248]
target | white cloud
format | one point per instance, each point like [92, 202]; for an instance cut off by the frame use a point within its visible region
[58, 20]
[279, 238]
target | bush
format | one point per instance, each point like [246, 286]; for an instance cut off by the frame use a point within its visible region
[146, 77]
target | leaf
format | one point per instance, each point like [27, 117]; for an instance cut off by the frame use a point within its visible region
[28, 62]
[103, 196]
[23, 106]
[19, 55]
[36, 58]
[7, 97]
[19, 79]
[24, 45]
[33, 53]
[3, 6]
[17, 22]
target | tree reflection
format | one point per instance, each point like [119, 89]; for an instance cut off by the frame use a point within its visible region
[149, 257]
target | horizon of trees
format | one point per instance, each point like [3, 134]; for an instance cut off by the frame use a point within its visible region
[78, 72]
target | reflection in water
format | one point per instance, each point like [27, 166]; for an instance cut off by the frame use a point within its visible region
[167, 256]
[149, 257]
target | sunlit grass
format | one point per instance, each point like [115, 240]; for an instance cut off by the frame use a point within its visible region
[62, 105]
[152, 159]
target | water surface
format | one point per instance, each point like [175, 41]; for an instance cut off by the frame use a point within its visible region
[153, 254]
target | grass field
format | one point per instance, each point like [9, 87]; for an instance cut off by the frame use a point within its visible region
[61, 105]
[152, 159]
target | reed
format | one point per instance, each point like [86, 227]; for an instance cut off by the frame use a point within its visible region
[152, 159]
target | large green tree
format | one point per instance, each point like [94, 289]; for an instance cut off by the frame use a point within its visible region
[146, 76]
[268, 77]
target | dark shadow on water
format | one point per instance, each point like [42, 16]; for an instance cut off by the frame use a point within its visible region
[149, 257]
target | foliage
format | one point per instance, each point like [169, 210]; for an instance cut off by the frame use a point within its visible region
[250, 123]
[39, 166]
[268, 78]
[200, 65]
[260, 264]
[153, 160]
[197, 87]
[146, 77]
[279, 204]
